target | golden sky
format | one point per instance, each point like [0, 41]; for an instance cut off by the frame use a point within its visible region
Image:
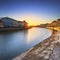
[34, 20]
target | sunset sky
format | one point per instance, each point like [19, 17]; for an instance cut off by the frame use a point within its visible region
[33, 11]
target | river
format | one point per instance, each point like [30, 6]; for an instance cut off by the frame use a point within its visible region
[14, 43]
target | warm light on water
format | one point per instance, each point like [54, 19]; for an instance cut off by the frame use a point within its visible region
[13, 44]
[36, 35]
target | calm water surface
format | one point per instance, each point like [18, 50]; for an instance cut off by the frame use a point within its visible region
[13, 44]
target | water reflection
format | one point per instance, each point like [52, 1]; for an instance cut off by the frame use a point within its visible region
[13, 44]
[36, 35]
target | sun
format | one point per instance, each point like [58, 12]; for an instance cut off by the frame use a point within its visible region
[32, 23]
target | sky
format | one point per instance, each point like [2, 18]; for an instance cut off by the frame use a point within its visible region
[33, 11]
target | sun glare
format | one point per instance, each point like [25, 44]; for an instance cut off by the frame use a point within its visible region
[32, 23]
[32, 20]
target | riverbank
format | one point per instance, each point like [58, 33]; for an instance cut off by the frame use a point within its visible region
[43, 50]
[13, 29]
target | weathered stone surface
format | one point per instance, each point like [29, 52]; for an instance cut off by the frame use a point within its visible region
[55, 53]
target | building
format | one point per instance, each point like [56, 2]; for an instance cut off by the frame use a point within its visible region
[53, 24]
[15, 23]
[58, 22]
[1, 24]
[20, 24]
[23, 24]
[8, 22]
[44, 25]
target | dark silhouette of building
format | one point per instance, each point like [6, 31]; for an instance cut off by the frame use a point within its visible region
[1, 24]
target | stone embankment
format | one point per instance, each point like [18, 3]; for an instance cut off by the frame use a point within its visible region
[13, 29]
[49, 49]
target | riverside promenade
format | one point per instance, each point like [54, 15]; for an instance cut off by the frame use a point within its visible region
[13, 29]
[49, 49]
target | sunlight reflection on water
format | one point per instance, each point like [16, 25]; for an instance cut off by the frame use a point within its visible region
[37, 35]
[13, 44]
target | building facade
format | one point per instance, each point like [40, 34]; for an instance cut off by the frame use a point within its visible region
[1, 24]
[58, 22]
[7, 22]
[23, 24]
[15, 23]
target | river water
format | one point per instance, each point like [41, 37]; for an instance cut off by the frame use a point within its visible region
[14, 43]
